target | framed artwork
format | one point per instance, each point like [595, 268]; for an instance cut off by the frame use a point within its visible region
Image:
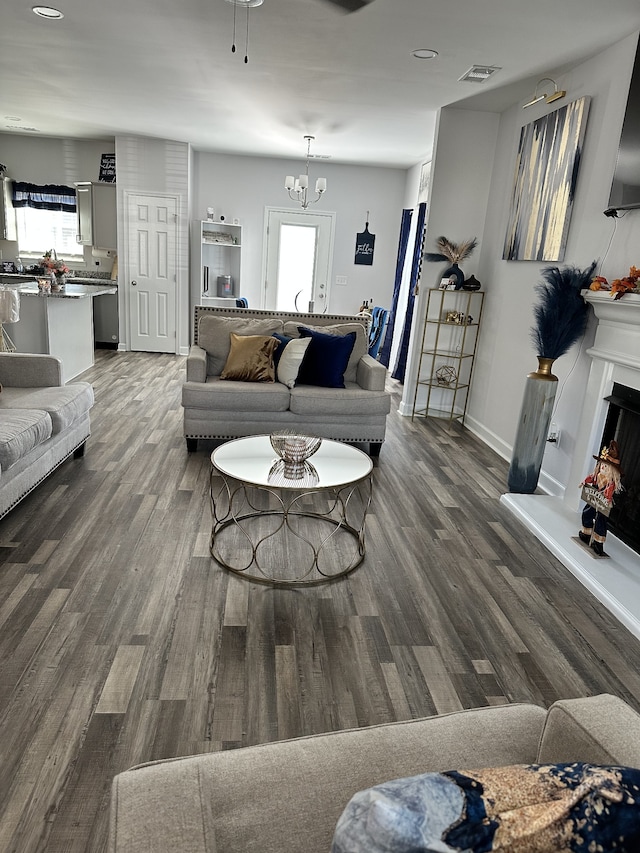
[546, 172]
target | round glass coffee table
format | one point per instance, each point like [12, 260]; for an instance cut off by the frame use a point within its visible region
[286, 532]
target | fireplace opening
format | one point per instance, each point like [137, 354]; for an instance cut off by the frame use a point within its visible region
[623, 425]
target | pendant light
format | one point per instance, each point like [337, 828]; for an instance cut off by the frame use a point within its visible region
[246, 4]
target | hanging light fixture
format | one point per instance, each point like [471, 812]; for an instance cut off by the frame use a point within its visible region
[554, 96]
[298, 188]
[246, 4]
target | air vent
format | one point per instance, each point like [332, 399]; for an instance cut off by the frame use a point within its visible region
[479, 73]
[20, 127]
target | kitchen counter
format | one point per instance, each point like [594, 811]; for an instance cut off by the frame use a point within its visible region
[70, 291]
[76, 287]
[57, 323]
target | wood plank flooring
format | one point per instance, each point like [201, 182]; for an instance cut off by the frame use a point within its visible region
[121, 642]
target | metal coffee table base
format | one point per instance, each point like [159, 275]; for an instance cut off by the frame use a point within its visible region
[288, 537]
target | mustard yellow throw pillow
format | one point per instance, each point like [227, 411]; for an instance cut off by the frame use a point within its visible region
[250, 358]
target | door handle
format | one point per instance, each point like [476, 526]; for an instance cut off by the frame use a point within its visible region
[133, 283]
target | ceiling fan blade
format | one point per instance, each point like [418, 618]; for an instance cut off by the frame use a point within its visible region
[349, 5]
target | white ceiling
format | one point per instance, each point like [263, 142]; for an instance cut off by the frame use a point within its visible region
[164, 68]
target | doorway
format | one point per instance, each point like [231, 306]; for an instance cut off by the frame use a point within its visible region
[298, 260]
[152, 257]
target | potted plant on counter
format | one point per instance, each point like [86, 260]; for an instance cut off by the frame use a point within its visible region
[57, 269]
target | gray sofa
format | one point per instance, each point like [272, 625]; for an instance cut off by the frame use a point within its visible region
[216, 408]
[42, 422]
[286, 797]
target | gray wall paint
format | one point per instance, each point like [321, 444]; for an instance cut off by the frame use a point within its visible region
[505, 353]
[48, 160]
[241, 187]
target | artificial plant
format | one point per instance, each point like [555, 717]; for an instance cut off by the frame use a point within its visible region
[561, 313]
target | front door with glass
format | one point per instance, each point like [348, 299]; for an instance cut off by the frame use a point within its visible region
[298, 256]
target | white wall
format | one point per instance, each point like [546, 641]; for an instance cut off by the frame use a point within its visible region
[154, 167]
[505, 354]
[241, 187]
[48, 160]
[460, 185]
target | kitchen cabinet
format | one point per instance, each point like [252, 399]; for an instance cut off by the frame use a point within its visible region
[97, 218]
[8, 226]
[449, 342]
[216, 249]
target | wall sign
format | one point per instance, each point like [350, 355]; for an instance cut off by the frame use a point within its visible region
[108, 169]
[365, 242]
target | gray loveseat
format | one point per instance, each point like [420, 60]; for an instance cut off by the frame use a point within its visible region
[286, 797]
[42, 422]
[216, 408]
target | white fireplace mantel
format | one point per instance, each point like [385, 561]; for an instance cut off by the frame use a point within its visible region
[618, 334]
[615, 357]
[625, 311]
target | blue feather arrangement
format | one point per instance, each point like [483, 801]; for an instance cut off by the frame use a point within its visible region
[561, 312]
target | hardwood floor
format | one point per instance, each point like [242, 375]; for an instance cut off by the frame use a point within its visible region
[121, 642]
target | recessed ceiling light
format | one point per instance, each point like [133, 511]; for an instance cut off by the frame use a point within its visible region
[13, 118]
[424, 53]
[47, 12]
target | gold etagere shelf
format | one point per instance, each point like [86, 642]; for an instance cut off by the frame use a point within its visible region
[447, 352]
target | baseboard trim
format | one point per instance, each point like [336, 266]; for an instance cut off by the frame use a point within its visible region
[489, 438]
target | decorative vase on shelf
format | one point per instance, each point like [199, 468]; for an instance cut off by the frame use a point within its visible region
[456, 273]
[454, 253]
[533, 428]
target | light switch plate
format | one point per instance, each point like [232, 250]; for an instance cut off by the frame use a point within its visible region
[341, 280]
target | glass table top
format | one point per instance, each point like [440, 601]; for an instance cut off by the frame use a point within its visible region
[251, 460]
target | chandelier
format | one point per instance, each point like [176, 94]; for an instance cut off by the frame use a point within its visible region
[298, 188]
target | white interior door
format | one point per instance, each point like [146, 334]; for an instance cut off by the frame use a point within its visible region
[152, 273]
[298, 259]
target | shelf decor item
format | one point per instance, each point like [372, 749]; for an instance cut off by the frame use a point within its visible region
[560, 319]
[446, 375]
[454, 253]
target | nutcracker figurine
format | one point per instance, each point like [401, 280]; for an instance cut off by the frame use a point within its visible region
[598, 490]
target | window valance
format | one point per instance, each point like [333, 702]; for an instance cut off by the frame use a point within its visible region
[46, 197]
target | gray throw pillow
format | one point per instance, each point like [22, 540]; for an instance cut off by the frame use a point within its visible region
[214, 336]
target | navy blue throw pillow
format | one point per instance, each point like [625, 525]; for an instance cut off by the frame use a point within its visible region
[284, 340]
[326, 358]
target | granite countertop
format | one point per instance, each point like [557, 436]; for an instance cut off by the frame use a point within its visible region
[75, 288]
[70, 291]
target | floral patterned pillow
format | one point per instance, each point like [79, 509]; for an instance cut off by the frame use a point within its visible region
[538, 808]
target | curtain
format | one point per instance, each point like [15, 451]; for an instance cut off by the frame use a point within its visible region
[47, 197]
[405, 227]
[401, 362]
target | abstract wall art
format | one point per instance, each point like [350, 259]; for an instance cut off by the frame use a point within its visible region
[546, 172]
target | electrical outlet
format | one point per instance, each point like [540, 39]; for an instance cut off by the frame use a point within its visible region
[553, 436]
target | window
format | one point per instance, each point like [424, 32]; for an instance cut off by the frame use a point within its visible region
[46, 219]
[41, 230]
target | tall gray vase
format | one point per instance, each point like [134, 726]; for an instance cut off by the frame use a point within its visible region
[533, 428]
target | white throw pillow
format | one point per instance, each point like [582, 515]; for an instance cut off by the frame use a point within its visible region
[290, 361]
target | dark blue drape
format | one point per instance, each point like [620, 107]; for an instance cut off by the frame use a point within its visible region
[405, 227]
[47, 197]
[401, 361]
